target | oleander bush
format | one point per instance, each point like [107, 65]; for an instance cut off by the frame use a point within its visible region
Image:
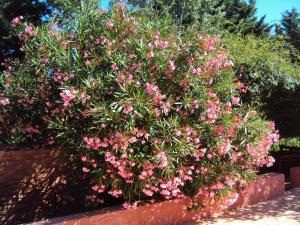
[143, 110]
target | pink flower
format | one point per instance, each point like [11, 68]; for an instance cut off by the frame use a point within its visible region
[95, 188]
[165, 192]
[219, 130]
[68, 96]
[127, 205]
[92, 143]
[116, 193]
[228, 64]
[172, 66]
[150, 55]
[148, 192]
[211, 94]
[197, 71]
[88, 62]
[157, 112]
[63, 181]
[127, 109]
[163, 44]
[109, 24]
[83, 158]
[151, 88]
[17, 21]
[210, 43]
[85, 169]
[30, 30]
[235, 100]
[242, 87]
[114, 67]
[270, 161]
[234, 157]
[84, 97]
[4, 101]
[158, 97]
[224, 147]
[32, 130]
[166, 107]
[162, 157]
[132, 140]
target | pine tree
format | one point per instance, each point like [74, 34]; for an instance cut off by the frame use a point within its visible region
[184, 12]
[213, 16]
[240, 18]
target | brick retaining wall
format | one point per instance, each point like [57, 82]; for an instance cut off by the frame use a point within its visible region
[26, 181]
[173, 212]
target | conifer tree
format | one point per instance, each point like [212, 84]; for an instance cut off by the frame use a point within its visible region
[214, 16]
[290, 26]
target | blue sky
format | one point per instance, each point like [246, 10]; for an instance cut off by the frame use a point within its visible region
[104, 3]
[271, 8]
[274, 8]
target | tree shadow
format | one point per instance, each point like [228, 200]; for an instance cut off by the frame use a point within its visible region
[286, 205]
[27, 180]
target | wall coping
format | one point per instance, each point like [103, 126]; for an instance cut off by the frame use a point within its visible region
[267, 186]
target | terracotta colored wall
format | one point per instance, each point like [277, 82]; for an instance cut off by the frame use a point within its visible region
[172, 212]
[295, 176]
[268, 186]
[26, 181]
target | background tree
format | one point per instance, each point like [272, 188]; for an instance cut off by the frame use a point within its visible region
[289, 30]
[291, 27]
[240, 18]
[235, 16]
[33, 11]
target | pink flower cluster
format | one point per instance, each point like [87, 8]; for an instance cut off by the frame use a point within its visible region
[211, 109]
[209, 44]
[17, 21]
[61, 77]
[260, 151]
[213, 65]
[171, 189]
[241, 86]
[158, 42]
[122, 165]
[163, 160]
[157, 97]
[95, 143]
[4, 101]
[133, 205]
[68, 96]
[28, 33]
[117, 193]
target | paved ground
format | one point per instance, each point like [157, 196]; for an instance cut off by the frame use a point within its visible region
[284, 210]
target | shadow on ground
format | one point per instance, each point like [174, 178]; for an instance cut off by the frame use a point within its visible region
[284, 210]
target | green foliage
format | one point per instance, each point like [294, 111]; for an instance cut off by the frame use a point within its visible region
[289, 31]
[291, 27]
[213, 16]
[286, 144]
[273, 80]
